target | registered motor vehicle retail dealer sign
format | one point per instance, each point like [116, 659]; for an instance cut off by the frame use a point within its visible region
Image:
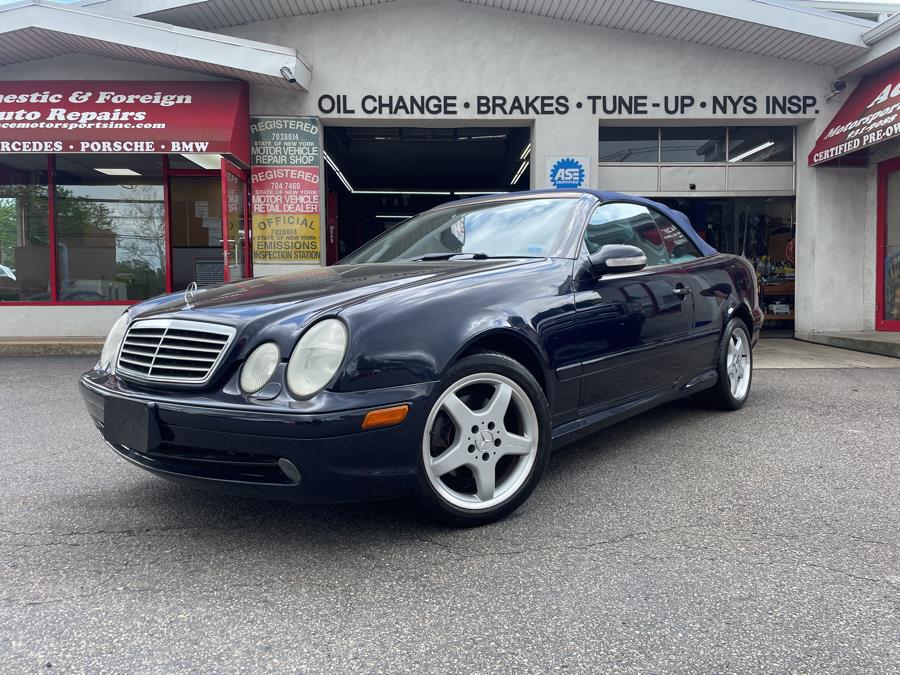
[286, 153]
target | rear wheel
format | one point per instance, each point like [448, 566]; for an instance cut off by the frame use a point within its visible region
[485, 443]
[734, 366]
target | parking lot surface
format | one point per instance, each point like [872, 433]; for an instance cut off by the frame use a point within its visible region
[684, 539]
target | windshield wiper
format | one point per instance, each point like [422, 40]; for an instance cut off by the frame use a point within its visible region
[469, 256]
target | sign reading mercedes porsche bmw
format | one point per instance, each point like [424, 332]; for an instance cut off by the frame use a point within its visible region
[285, 180]
[101, 116]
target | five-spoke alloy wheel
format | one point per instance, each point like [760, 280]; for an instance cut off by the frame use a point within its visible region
[485, 441]
[734, 367]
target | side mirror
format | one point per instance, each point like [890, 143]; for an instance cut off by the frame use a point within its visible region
[617, 258]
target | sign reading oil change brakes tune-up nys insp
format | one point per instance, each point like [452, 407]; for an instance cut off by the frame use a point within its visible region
[285, 177]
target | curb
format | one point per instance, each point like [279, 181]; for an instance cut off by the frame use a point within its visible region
[867, 345]
[51, 347]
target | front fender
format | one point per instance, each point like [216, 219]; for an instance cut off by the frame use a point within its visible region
[412, 337]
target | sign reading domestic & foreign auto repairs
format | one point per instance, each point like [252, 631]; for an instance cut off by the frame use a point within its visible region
[285, 179]
[870, 115]
[121, 116]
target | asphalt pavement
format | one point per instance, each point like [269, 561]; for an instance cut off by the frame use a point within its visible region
[764, 540]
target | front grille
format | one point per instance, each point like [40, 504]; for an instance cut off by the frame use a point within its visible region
[173, 350]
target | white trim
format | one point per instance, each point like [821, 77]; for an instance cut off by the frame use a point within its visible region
[774, 14]
[195, 48]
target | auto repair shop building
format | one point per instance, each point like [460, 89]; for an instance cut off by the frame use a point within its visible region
[148, 144]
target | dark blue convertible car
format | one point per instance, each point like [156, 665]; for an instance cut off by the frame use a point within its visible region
[446, 358]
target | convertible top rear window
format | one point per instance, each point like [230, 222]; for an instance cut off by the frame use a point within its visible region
[528, 227]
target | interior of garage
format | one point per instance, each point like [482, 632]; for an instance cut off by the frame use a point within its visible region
[376, 177]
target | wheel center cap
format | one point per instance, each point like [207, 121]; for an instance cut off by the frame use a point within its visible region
[485, 441]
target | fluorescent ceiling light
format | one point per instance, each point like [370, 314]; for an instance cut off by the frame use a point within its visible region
[392, 217]
[519, 173]
[525, 152]
[476, 138]
[118, 172]
[206, 160]
[474, 193]
[440, 193]
[402, 192]
[752, 151]
[334, 167]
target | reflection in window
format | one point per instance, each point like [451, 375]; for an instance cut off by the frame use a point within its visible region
[629, 144]
[678, 245]
[24, 230]
[630, 224]
[761, 144]
[109, 220]
[693, 144]
[532, 227]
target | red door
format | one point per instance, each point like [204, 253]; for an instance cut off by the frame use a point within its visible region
[887, 256]
[235, 224]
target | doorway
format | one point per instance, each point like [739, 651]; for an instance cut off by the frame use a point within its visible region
[204, 204]
[887, 256]
[377, 177]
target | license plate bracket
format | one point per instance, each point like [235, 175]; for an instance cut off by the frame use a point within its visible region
[131, 423]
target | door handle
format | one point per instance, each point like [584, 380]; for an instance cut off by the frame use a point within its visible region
[681, 291]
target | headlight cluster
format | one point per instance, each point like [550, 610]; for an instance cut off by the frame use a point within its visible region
[313, 363]
[113, 342]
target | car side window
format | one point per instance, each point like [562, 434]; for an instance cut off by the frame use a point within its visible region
[679, 246]
[624, 223]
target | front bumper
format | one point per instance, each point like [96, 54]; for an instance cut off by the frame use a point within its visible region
[242, 449]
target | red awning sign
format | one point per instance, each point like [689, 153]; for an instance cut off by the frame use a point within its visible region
[118, 116]
[870, 115]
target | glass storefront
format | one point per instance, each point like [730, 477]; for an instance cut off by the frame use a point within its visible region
[109, 227]
[24, 229]
[83, 228]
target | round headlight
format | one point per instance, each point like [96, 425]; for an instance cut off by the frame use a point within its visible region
[113, 341]
[259, 366]
[317, 357]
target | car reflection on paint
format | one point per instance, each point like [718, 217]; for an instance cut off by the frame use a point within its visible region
[446, 358]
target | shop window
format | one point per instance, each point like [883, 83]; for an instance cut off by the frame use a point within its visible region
[109, 227]
[692, 144]
[761, 144]
[24, 229]
[629, 144]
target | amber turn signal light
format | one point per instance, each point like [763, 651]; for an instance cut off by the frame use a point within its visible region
[385, 417]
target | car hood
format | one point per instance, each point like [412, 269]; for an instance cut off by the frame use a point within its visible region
[298, 295]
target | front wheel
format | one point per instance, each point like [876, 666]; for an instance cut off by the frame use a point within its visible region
[485, 443]
[734, 367]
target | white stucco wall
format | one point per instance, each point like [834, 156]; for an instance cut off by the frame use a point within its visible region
[428, 47]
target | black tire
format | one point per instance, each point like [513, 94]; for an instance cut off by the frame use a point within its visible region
[437, 506]
[720, 395]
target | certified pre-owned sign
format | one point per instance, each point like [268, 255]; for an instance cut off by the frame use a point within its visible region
[121, 116]
[869, 116]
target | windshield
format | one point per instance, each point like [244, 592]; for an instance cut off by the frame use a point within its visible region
[528, 228]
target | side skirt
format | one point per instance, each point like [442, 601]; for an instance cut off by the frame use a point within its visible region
[585, 426]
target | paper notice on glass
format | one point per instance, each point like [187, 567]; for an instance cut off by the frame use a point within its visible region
[201, 209]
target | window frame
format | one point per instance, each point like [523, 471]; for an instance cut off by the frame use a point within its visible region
[725, 162]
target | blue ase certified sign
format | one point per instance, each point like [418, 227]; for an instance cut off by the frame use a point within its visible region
[567, 172]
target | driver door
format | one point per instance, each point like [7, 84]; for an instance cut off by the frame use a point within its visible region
[629, 324]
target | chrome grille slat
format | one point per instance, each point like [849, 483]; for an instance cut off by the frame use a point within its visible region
[175, 357]
[173, 350]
